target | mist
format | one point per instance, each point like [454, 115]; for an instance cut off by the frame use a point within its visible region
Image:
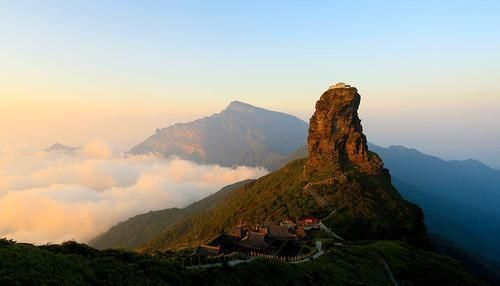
[48, 197]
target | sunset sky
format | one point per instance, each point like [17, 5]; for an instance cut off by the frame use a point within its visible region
[77, 71]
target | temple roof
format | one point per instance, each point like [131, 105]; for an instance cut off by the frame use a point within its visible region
[278, 231]
[206, 250]
[254, 240]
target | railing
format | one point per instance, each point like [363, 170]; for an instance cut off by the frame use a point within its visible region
[219, 259]
[281, 258]
[207, 261]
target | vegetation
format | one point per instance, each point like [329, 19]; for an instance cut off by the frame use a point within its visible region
[142, 228]
[459, 198]
[352, 264]
[480, 266]
[269, 198]
[368, 207]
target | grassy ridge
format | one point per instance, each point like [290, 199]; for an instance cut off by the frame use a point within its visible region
[142, 228]
[368, 208]
[352, 264]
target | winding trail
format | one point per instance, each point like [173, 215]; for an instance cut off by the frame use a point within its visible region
[319, 252]
[230, 263]
[327, 229]
[329, 215]
[386, 266]
[322, 202]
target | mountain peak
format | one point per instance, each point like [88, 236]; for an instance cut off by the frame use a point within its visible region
[335, 133]
[58, 147]
[241, 134]
[240, 106]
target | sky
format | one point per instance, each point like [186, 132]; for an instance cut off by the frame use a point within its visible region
[77, 71]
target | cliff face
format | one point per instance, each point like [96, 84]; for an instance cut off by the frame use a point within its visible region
[336, 136]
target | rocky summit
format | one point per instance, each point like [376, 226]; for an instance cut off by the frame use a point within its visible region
[342, 183]
[336, 136]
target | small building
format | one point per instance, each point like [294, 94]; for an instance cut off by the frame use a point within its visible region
[242, 231]
[226, 242]
[288, 222]
[300, 232]
[309, 223]
[255, 241]
[339, 85]
[207, 250]
[278, 232]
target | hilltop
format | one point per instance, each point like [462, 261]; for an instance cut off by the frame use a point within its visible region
[241, 134]
[341, 176]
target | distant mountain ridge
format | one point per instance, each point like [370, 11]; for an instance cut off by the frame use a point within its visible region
[468, 182]
[460, 199]
[57, 147]
[241, 134]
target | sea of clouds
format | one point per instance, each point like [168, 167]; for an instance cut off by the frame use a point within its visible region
[50, 197]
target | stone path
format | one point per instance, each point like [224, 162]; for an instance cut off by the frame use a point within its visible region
[386, 266]
[326, 229]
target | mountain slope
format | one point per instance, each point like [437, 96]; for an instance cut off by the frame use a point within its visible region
[380, 214]
[430, 182]
[241, 134]
[460, 198]
[341, 180]
[341, 175]
[352, 264]
[140, 229]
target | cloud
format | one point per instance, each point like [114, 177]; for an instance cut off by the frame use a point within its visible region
[52, 197]
[97, 149]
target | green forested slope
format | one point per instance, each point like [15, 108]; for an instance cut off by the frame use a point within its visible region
[351, 264]
[368, 207]
[140, 229]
